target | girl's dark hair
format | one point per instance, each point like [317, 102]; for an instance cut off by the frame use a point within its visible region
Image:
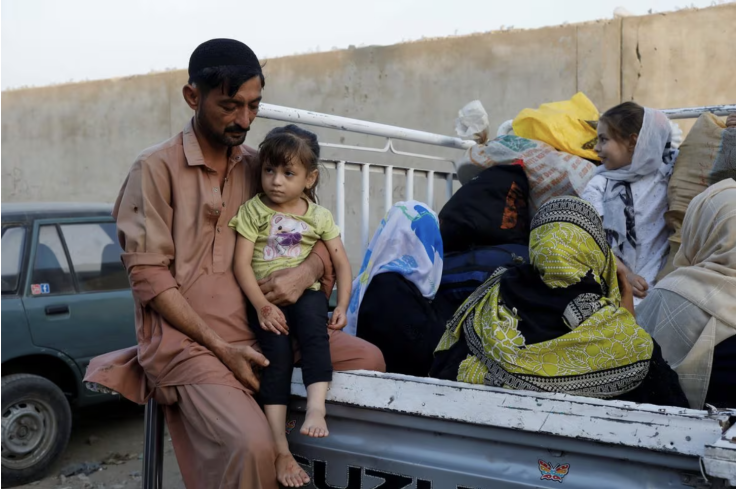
[285, 144]
[624, 120]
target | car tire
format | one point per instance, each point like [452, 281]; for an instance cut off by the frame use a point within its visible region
[36, 426]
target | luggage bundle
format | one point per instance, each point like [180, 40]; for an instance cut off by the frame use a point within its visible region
[555, 144]
[485, 225]
[696, 166]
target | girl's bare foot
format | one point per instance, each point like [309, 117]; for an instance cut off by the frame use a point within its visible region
[315, 424]
[288, 472]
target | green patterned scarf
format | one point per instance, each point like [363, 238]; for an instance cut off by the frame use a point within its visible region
[595, 348]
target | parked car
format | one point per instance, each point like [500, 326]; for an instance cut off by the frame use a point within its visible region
[65, 299]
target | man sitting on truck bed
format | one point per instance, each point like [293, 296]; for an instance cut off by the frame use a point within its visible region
[195, 348]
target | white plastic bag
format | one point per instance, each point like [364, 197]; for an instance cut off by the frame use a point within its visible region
[472, 122]
[506, 129]
[676, 137]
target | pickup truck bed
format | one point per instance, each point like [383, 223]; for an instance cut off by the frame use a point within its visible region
[392, 431]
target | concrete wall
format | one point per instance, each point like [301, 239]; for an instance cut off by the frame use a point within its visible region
[680, 60]
[76, 142]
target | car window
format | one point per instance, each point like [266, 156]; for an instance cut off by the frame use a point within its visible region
[51, 269]
[12, 255]
[95, 255]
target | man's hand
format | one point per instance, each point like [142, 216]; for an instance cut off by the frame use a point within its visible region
[731, 121]
[285, 287]
[339, 319]
[627, 294]
[272, 319]
[239, 359]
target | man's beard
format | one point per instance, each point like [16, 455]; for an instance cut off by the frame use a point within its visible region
[234, 135]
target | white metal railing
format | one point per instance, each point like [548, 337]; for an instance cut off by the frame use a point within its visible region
[299, 116]
[432, 176]
[694, 112]
[391, 133]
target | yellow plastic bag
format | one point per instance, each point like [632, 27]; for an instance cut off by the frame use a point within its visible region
[563, 125]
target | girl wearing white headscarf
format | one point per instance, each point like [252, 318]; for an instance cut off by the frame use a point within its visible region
[629, 189]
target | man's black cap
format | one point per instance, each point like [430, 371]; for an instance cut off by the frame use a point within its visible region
[224, 52]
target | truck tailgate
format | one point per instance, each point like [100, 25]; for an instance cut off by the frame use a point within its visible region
[397, 431]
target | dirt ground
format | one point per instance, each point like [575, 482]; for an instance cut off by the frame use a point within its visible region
[112, 432]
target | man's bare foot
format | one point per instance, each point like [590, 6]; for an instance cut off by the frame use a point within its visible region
[315, 424]
[288, 472]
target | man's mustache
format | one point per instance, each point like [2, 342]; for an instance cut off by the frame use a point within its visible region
[236, 128]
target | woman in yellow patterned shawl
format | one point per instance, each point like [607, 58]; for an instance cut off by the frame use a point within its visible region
[557, 324]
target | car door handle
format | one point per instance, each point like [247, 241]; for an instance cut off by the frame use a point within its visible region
[57, 309]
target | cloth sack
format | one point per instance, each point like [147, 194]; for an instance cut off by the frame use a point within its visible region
[551, 173]
[693, 167]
